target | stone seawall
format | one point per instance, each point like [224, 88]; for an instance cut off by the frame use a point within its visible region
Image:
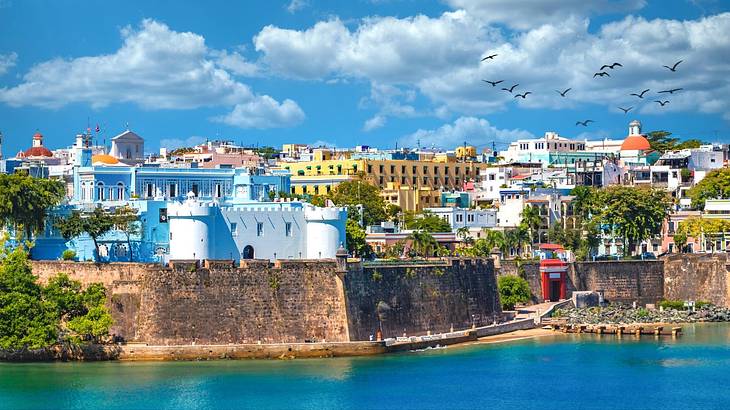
[416, 299]
[290, 301]
[620, 281]
[697, 277]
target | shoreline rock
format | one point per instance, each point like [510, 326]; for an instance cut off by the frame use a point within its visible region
[627, 315]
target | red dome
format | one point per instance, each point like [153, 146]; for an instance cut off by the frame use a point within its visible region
[635, 142]
[38, 152]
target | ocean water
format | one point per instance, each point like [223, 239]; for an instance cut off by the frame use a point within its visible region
[554, 372]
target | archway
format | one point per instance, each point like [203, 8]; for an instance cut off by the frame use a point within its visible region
[247, 252]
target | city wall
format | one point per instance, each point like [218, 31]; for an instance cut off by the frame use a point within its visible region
[697, 277]
[289, 301]
[419, 298]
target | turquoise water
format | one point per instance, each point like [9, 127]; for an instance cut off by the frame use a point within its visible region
[561, 372]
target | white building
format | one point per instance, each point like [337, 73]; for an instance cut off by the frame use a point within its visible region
[286, 230]
[475, 219]
[128, 147]
[539, 149]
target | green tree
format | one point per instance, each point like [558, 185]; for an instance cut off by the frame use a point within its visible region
[423, 243]
[631, 213]
[583, 201]
[465, 236]
[531, 219]
[126, 221]
[661, 141]
[25, 201]
[267, 152]
[716, 184]
[95, 224]
[513, 290]
[690, 143]
[680, 241]
[356, 243]
[425, 221]
[359, 192]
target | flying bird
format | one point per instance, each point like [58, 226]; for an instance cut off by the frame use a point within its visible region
[562, 94]
[625, 110]
[583, 123]
[674, 67]
[601, 74]
[494, 83]
[672, 91]
[523, 95]
[611, 66]
[490, 57]
[641, 95]
[662, 103]
[511, 88]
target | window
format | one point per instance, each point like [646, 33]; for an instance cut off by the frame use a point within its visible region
[414, 169]
[425, 180]
[217, 191]
[402, 169]
[392, 169]
[234, 229]
[491, 177]
[149, 190]
[173, 190]
[370, 169]
[459, 218]
[259, 229]
[195, 189]
[470, 218]
[425, 169]
[287, 229]
[120, 191]
[100, 191]
[382, 168]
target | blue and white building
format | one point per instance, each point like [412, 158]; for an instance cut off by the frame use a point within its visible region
[192, 213]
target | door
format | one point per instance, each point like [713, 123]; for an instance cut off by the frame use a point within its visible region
[554, 290]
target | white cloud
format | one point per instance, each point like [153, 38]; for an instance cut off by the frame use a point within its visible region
[155, 68]
[374, 123]
[264, 112]
[172, 143]
[438, 58]
[525, 14]
[296, 5]
[235, 63]
[475, 131]
[7, 61]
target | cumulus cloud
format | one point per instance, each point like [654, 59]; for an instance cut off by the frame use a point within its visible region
[7, 61]
[235, 63]
[155, 68]
[438, 57]
[475, 131]
[264, 112]
[525, 14]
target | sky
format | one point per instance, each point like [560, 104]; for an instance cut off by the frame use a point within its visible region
[383, 73]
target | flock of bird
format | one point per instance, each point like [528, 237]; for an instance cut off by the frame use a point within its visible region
[602, 72]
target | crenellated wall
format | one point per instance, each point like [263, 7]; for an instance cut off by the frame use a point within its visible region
[414, 299]
[287, 301]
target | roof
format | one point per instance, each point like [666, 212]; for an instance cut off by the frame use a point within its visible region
[553, 246]
[104, 159]
[39, 151]
[128, 136]
[635, 142]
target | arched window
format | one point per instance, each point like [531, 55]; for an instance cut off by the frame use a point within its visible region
[83, 191]
[247, 252]
[120, 191]
[100, 191]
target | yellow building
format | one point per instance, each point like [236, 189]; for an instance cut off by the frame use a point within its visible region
[410, 184]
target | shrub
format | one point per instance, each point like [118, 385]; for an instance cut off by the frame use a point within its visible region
[702, 304]
[68, 255]
[642, 313]
[672, 304]
[513, 290]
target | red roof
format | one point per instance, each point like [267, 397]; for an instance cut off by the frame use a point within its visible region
[551, 246]
[38, 152]
[523, 176]
[635, 142]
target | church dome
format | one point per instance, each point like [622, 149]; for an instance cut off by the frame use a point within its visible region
[39, 151]
[104, 159]
[635, 143]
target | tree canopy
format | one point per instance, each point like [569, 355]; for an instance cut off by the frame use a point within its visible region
[24, 201]
[359, 192]
[716, 184]
[513, 290]
[356, 244]
[95, 224]
[425, 221]
[33, 316]
[662, 141]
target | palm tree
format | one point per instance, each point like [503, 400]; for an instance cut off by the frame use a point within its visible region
[463, 233]
[493, 239]
[423, 243]
[521, 235]
[531, 219]
[510, 241]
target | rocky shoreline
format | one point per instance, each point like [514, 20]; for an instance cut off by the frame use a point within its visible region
[626, 315]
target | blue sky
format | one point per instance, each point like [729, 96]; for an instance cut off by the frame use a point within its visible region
[376, 72]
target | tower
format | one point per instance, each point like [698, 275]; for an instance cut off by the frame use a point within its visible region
[635, 127]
